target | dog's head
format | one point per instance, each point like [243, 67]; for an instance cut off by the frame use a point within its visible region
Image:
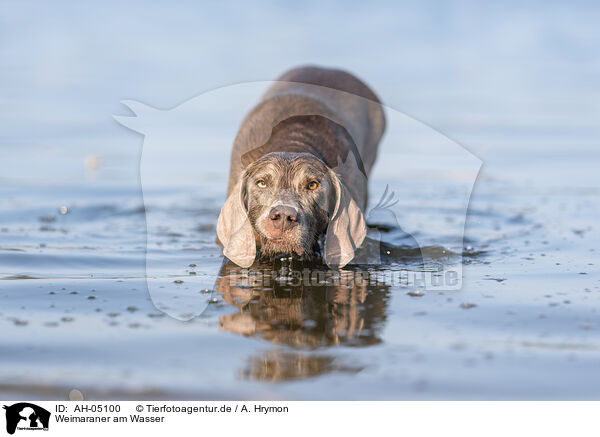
[283, 203]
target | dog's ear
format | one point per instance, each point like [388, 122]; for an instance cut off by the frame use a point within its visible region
[347, 228]
[235, 230]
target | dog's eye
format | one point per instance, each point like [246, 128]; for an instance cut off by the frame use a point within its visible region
[261, 184]
[312, 185]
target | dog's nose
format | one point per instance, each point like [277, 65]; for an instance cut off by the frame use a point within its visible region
[283, 216]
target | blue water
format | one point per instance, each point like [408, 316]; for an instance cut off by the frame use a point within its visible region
[514, 85]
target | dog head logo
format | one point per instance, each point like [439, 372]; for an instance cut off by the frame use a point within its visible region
[26, 416]
[188, 147]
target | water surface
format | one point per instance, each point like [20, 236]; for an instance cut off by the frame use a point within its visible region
[516, 86]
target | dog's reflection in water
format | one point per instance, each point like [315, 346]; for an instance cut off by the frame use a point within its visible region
[303, 309]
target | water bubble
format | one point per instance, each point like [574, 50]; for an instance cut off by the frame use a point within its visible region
[75, 395]
[92, 162]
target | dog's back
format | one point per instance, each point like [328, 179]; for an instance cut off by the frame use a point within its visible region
[331, 78]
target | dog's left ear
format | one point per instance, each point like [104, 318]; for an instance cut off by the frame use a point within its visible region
[235, 230]
[347, 228]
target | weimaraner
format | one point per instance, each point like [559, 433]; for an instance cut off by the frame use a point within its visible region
[299, 170]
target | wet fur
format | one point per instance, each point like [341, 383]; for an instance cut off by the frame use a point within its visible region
[288, 174]
[307, 124]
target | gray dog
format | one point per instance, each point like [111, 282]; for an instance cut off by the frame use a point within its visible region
[299, 170]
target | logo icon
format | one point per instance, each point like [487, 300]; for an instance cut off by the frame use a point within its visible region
[26, 416]
[405, 239]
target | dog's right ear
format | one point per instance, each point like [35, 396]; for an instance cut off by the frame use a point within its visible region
[235, 230]
[346, 230]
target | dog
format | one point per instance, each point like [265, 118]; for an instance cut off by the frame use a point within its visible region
[299, 169]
